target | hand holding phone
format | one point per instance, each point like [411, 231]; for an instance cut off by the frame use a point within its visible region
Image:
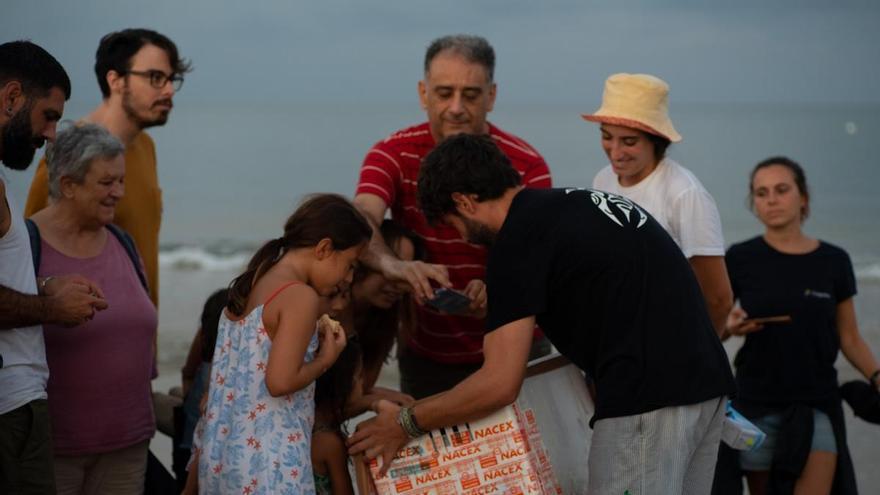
[739, 323]
[449, 301]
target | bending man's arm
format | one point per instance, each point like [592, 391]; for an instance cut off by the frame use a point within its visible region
[379, 256]
[495, 385]
[711, 273]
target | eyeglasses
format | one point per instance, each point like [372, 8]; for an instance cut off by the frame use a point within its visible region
[159, 79]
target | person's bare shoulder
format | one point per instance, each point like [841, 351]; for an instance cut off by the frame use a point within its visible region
[328, 446]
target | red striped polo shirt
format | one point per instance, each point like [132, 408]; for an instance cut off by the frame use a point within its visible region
[391, 171]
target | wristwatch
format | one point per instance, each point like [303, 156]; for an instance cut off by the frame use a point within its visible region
[874, 379]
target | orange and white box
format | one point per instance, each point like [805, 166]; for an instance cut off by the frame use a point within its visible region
[501, 454]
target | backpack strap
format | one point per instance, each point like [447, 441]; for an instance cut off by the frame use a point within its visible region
[131, 250]
[36, 246]
[121, 235]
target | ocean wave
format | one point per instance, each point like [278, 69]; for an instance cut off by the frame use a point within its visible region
[232, 257]
[868, 272]
[197, 258]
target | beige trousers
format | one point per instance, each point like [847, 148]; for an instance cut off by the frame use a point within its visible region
[118, 472]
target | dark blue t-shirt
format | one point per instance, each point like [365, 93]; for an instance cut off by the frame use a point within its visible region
[614, 294]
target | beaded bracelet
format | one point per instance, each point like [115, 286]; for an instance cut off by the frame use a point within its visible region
[407, 421]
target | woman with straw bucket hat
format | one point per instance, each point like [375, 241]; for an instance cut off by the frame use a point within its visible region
[635, 134]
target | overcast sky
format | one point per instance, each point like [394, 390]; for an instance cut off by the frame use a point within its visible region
[370, 51]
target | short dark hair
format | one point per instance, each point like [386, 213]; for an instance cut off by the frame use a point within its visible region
[116, 50]
[661, 144]
[474, 49]
[467, 164]
[36, 69]
[800, 180]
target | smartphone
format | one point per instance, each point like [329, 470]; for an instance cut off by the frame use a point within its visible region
[770, 319]
[449, 301]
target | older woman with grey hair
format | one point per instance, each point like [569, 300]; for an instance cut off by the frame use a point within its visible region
[99, 384]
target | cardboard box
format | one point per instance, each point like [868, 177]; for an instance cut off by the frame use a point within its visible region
[501, 453]
[539, 445]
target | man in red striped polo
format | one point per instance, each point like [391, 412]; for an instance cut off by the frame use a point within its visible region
[457, 93]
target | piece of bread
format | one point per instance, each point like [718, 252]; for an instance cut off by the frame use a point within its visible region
[328, 323]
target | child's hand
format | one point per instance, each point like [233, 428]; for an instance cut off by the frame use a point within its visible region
[332, 340]
[370, 400]
[399, 398]
[328, 324]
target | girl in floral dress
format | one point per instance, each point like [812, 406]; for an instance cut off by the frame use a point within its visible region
[258, 422]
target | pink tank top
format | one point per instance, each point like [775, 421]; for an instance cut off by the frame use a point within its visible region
[99, 372]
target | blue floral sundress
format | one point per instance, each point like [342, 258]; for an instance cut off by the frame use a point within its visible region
[252, 443]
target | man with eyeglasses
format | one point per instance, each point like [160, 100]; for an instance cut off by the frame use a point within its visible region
[138, 71]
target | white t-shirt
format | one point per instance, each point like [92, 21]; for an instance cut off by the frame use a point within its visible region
[24, 373]
[676, 199]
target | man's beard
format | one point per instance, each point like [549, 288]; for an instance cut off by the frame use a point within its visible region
[19, 142]
[141, 121]
[478, 233]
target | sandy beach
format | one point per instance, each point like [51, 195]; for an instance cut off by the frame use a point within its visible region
[183, 291]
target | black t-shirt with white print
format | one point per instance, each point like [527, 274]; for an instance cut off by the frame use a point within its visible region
[784, 363]
[613, 293]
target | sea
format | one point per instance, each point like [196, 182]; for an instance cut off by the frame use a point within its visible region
[231, 173]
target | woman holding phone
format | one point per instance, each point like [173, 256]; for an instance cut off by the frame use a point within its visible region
[796, 312]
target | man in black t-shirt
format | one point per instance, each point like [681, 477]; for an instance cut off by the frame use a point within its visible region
[614, 294]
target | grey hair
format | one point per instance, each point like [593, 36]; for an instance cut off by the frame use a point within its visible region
[474, 49]
[74, 149]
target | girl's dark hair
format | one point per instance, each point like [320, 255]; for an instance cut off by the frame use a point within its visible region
[378, 328]
[210, 320]
[334, 387]
[800, 180]
[322, 216]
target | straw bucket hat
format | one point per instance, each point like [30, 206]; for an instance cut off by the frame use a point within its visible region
[638, 101]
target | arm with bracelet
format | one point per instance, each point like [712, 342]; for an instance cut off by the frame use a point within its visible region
[495, 385]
